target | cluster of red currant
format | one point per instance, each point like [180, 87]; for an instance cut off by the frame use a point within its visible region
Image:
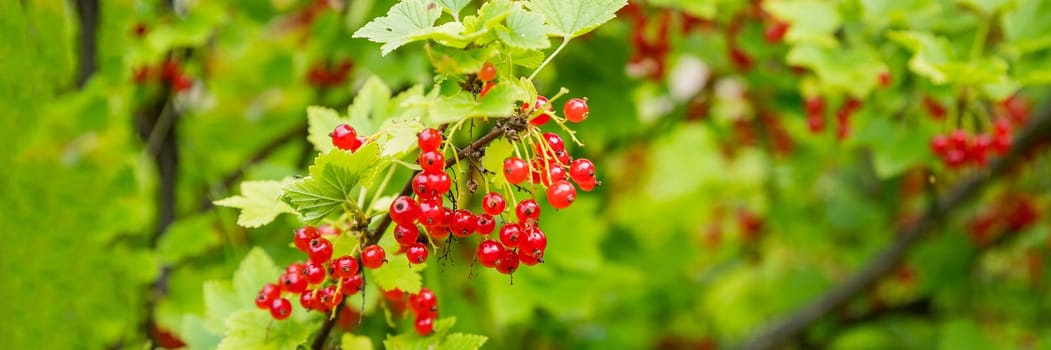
[321, 281]
[168, 72]
[1009, 213]
[815, 112]
[650, 54]
[324, 76]
[960, 148]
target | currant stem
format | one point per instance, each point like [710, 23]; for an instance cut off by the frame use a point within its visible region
[565, 41]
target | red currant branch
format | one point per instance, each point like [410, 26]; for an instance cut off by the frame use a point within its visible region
[792, 325]
[373, 236]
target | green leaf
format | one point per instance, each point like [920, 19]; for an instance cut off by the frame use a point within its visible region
[196, 335]
[399, 137]
[413, 341]
[454, 6]
[810, 21]
[493, 160]
[525, 30]
[929, 51]
[1026, 26]
[498, 103]
[332, 177]
[407, 21]
[371, 106]
[256, 329]
[573, 18]
[461, 341]
[260, 202]
[219, 302]
[321, 121]
[398, 274]
[188, 237]
[355, 342]
[840, 70]
[527, 58]
[457, 61]
[255, 271]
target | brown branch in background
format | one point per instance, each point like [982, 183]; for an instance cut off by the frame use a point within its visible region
[88, 16]
[373, 236]
[794, 324]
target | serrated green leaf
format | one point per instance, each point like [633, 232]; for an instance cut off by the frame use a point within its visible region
[929, 51]
[573, 18]
[187, 237]
[355, 342]
[461, 341]
[320, 123]
[255, 271]
[256, 329]
[196, 335]
[260, 202]
[525, 30]
[399, 137]
[371, 106]
[454, 6]
[527, 58]
[811, 21]
[219, 302]
[457, 61]
[498, 103]
[332, 178]
[407, 21]
[398, 274]
[840, 70]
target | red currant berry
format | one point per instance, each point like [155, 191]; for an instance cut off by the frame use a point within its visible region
[815, 106]
[429, 139]
[308, 300]
[554, 141]
[1003, 126]
[329, 297]
[417, 253]
[939, 144]
[815, 123]
[587, 186]
[352, 285]
[431, 212]
[404, 210]
[959, 139]
[463, 223]
[534, 244]
[510, 235]
[515, 170]
[328, 230]
[293, 282]
[314, 272]
[345, 137]
[484, 224]
[541, 103]
[280, 308]
[488, 252]
[181, 83]
[775, 31]
[431, 161]
[487, 73]
[576, 110]
[424, 302]
[438, 232]
[485, 89]
[508, 262]
[582, 170]
[528, 211]
[424, 325]
[441, 183]
[1001, 144]
[561, 194]
[493, 203]
[373, 256]
[344, 267]
[302, 237]
[553, 173]
[320, 250]
[406, 235]
[883, 79]
[934, 108]
[269, 292]
[296, 267]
